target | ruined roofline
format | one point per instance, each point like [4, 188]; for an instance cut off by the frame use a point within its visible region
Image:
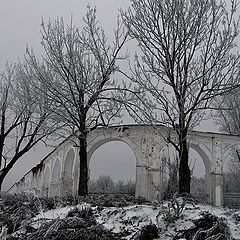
[170, 128]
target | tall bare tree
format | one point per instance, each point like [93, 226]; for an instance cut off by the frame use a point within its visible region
[232, 174]
[187, 57]
[77, 73]
[227, 114]
[24, 119]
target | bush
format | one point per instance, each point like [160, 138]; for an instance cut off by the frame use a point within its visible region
[16, 208]
[209, 227]
[174, 210]
[17, 211]
[149, 232]
[104, 184]
[79, 224]
[85, 214]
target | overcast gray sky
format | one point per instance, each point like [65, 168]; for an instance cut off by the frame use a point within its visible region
[20, 25]
[20, 20]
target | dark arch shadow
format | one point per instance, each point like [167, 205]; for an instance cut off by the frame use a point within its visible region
[67, 174]
[45, 183]
[54, 187]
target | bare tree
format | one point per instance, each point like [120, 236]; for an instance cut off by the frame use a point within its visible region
[227, 114]
[24, 119]
[77, 73]
[232, 175]
[170, 186]
[187, 58]
[105, 184]
[198, 185]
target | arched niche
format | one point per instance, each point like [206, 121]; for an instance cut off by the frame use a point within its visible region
[35, 185]
[56, 171]
[68, 164]
[67, 177]
[33, 182]
[54, 188]
[27, 185]
[38, 183]
[46, 182]
[115, 158]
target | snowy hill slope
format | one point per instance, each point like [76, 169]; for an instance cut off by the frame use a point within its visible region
[24, 217]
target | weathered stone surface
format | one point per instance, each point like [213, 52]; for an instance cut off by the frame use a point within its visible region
[58, 173]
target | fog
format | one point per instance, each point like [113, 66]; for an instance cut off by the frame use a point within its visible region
[20, 22]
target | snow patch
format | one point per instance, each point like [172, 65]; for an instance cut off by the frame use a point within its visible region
[133, 218]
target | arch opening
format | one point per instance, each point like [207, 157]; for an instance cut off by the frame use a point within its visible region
[67, 178]
[56, 171]
[231, 172]
[199, 177]
[112, 168]
[45, 185]
[231, 178]
[54, 188]
[199, 165]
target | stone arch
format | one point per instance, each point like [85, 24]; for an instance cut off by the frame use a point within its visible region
[67, 174]
[54, 185]
[35, 185]
[206, 158]
[203, 152]
[100, 141]
[45, 182]
[230, 177]
[120, 168]
[146, 143]
[228, 151]
[38, 187]
[27, 184]
[56, 171]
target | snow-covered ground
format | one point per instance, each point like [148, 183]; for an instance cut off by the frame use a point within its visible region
[58, 212]
[133, 218]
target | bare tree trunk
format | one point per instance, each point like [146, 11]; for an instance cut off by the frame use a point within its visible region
[1, 181]
[187, 60]
[238, 155]
[3, 174]
[184, 171]
[83, 178]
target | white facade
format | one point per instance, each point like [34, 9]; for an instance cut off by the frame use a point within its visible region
[58, 173]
